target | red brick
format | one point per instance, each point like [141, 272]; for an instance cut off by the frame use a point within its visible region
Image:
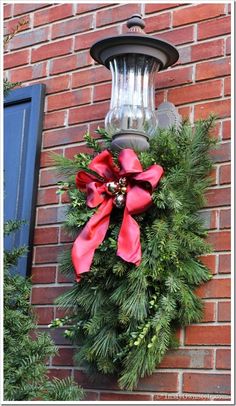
[221, 108]
[47, 196]
[210, 218]
[86, 7]
[27, 73]
[226, 130]
[218, 197]
[102, 92]
[46, 158]
[53, 14]
[106, 382]
[228, 46]
[224, 263]
[207, 335]
[206, 383]
[43, 274]
[51, 215]
[84, 41]
[184, 112]
[116, 14]
[94, 126]
[69, 99]
[51, 50]
[63, 136]
[174, 77]
[21, 22]
[49, 177]
[219, 240]
[65, 198]
[29, 38]
[57, 84]
[186, 358]
[54, 120]
[214, 219]
[215, 288]
[191, 14]
[209, 312]
[225, 174]
[214, 28]
[213, 69]
[64, 357]
[65, 279]
[48, 255]
[195, 92]
[56, 334]
[227, 86]
[70, 152]
[69, 63]
[14, 59]
[88, 113]
[212, 175]
[212, 49]
[222, 153]
[152, 8]
[73, 26]
[65, 236]
[178, 36]
[225, 218]
[7, 10]
[157, 23]
[163, 381]
[215, 132]
[25, 8]
[159, 382]
[108, 396]
[44, 314]
[223, 359]
[224, 311]
[46, 295]
[91, 76]
[61, 312]
[58, 373]
[209, 261]
[46, 235]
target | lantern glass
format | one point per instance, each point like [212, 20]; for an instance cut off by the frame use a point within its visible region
[132, 106]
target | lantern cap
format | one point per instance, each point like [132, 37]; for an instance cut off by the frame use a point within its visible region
[135, 21]
[135, 41]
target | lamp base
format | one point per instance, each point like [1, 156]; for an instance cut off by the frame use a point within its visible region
[138, 141]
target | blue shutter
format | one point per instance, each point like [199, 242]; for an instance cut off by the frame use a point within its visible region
[23, 116]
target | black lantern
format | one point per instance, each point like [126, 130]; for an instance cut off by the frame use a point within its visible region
[133, 59]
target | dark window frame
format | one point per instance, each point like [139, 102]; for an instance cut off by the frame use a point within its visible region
[34, 94]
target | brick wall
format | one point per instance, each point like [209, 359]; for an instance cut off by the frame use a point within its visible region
[53, 48]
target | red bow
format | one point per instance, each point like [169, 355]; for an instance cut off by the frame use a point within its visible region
[110, 186]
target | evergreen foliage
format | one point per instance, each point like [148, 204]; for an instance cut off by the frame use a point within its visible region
[124, 318]
[24, 356]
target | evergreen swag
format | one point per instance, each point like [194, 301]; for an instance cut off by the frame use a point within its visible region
[25, 358]
[124, 318]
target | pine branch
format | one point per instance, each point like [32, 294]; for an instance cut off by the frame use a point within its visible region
[124, 317]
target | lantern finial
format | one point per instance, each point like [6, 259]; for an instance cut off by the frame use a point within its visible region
[135, 23]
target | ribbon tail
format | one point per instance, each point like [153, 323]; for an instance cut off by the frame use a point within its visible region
[129, 247]
[90, 238]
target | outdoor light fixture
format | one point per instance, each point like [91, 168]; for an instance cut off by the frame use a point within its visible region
[133, 59]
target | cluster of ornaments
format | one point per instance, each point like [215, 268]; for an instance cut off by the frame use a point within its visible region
[118, 190]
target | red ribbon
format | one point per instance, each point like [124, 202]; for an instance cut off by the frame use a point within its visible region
[140, 185]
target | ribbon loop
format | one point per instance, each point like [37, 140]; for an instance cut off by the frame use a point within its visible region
[138, 199]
